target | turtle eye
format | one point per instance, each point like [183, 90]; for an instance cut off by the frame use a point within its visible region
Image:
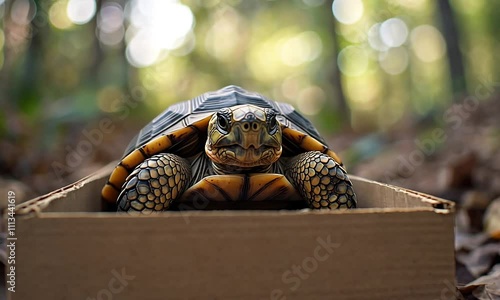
[222, 123]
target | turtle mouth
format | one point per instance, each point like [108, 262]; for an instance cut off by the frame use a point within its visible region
[236, 155]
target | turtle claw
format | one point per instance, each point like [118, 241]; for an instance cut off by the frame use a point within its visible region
[321, 181]
[154, 184]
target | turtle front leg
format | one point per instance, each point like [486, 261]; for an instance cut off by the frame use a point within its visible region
[320, 180]
[155, 184]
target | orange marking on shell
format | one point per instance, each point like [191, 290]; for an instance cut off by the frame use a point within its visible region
[118, 176]
[268, 186]
[334, 155]
[230, 188]
[230, 184]
[305, 141]
[157, 145]
[132, 160]
[309, 143]
[294, 135]
[109, 194]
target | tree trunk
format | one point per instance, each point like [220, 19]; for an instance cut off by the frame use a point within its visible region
[451, 36]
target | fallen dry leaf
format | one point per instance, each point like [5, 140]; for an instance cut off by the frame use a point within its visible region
[480, 260]
[484, 288]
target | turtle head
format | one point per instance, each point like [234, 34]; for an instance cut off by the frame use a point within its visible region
[244, 136]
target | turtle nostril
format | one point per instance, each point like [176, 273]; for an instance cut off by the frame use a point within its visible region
[254, 126]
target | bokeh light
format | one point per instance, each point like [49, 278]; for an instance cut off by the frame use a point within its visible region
[111, 38]
[393, 32]
[23, 11]
[394, 61]
[224, 38]
[110, 24]
[263, 61]
[364, 92]
[81, 11]
[143, 50]
[156, 26]
[110, 17]
[348, 11]
[187, 45]
[311, 100]
[302, 48]
[374, 38]
[353, 60]
[58, 16]
[374, 46]
[427, 43]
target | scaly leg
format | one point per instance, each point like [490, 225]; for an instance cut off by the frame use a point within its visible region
[154, 184]
[321, 181]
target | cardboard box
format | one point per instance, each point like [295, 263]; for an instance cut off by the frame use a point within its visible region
[397, 245]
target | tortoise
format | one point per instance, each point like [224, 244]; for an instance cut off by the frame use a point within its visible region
[228, 149]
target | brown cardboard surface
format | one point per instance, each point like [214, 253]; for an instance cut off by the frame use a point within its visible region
[398, 245]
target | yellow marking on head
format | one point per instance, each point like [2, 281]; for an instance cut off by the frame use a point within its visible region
[240, 112]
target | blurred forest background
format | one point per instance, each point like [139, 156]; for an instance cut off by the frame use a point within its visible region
[406, 91]
[367, 73]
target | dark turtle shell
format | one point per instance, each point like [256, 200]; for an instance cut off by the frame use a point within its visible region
[185, 113]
